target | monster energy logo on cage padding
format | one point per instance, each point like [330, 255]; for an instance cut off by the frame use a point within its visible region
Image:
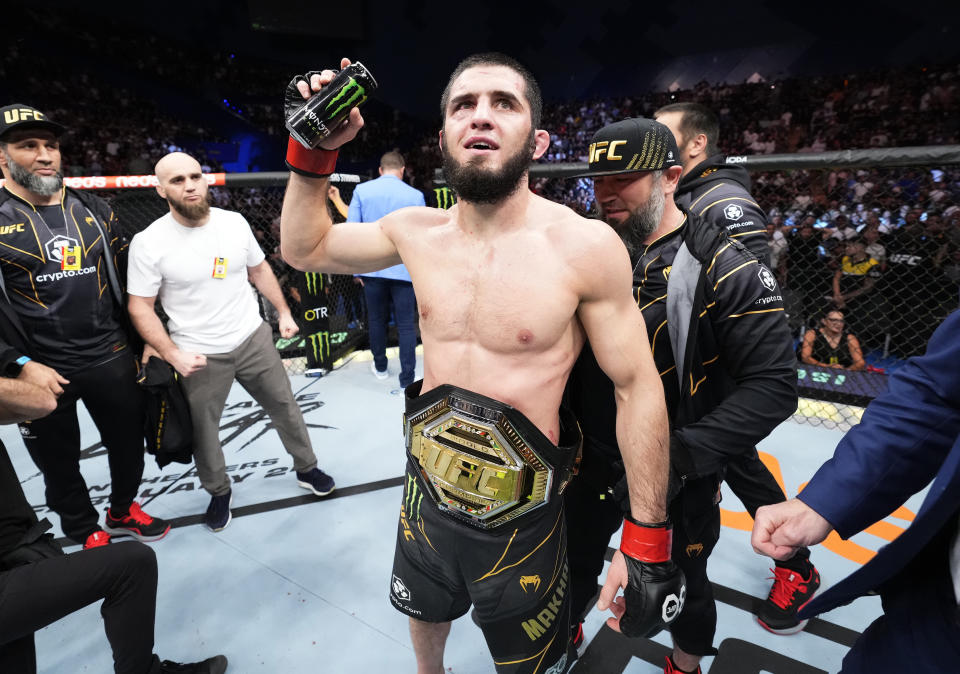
[320, 343]
[483, 461]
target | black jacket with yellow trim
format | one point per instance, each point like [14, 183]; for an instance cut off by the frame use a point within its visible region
[739, 370]
[14, 340]
[720, 194]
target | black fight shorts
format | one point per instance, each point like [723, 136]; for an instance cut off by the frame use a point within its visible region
[516, 577]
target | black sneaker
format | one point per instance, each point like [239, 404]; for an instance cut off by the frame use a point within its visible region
[795, 581]
[218, 513]
[215, 665]
[136, 523]
[316, 481]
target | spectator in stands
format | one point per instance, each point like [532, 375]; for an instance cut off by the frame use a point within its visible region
[804, 271]
[777, 243]
[215, 334]
[871, 237]
[853, 284]
[831, 345]
[371, 201]
[843, 230]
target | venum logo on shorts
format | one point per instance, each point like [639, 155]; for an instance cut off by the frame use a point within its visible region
[400, 590]
[537, 627]
[733, 212]
[527, 581]
[672, 605]
[767, 279]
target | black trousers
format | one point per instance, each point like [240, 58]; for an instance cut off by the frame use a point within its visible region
[751, 481]
[116, 404]
[593, 517]
[124, 575]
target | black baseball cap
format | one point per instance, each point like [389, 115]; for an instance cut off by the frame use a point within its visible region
[636, 144]
[21, 116]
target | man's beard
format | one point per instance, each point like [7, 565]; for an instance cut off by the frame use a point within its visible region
[642, 222]
[45, 186]
[474, 184]
[193, 212]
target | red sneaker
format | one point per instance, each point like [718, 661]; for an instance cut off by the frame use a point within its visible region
[672, 668]
[793, 588]
[136, 523]
[97, 539]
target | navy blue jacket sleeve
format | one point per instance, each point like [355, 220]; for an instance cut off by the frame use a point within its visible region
[898, 447]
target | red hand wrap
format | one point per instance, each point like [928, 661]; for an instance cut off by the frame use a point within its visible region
[311, 163]
[647, 542]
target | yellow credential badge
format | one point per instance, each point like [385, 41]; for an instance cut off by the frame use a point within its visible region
[70, 258]
[219, 267]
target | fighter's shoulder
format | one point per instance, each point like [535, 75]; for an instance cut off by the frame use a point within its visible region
[410, 217]
[570, 230]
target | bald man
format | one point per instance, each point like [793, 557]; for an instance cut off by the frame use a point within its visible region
[198, 261]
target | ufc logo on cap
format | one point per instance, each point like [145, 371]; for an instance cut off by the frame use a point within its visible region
[21, 115]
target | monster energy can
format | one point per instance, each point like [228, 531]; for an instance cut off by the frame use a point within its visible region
[320, 115]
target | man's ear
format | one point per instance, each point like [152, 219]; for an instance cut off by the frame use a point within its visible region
[541, 142]
[670, 179]
[697, 146]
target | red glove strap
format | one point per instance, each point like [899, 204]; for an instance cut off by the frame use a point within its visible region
[647, 543]
[312, 163]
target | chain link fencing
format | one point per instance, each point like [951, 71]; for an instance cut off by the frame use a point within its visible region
[874, 234]
[868, 237]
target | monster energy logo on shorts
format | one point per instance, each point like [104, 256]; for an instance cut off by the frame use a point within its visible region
[320, 341]
[413, 498]
[354, 93]
[314, 283]
[445, 197]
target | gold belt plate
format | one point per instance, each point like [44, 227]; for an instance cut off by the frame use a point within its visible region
[478, 465]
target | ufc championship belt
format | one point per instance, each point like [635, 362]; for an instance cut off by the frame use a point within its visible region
[485, 463]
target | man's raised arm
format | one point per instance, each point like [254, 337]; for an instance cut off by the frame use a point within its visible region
[308, 240]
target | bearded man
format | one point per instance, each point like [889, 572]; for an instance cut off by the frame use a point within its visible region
[63, 327]
[198, 261]
[509, 285]
[723, 350]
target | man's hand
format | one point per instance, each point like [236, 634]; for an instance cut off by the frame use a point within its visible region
[148, 352]
[309, 84]
[654, 586]
[288, 327]
[780, 529]
[186, 363]
[43, 376]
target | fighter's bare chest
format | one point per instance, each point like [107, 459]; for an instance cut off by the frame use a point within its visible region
[510, 302]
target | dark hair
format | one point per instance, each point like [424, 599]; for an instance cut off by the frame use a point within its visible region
[392, 160]
[695, 119]
[531, 88]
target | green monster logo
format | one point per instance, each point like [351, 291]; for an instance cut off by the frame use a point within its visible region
[314, 283]
[445, 197]
[353, 92]
[413, 498]
[320, 342]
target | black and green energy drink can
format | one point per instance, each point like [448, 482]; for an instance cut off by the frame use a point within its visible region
[320, 115]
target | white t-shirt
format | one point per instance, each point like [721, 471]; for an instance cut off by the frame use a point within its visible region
[176, 264]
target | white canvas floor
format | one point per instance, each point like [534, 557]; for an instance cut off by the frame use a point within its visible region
[299, 584]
